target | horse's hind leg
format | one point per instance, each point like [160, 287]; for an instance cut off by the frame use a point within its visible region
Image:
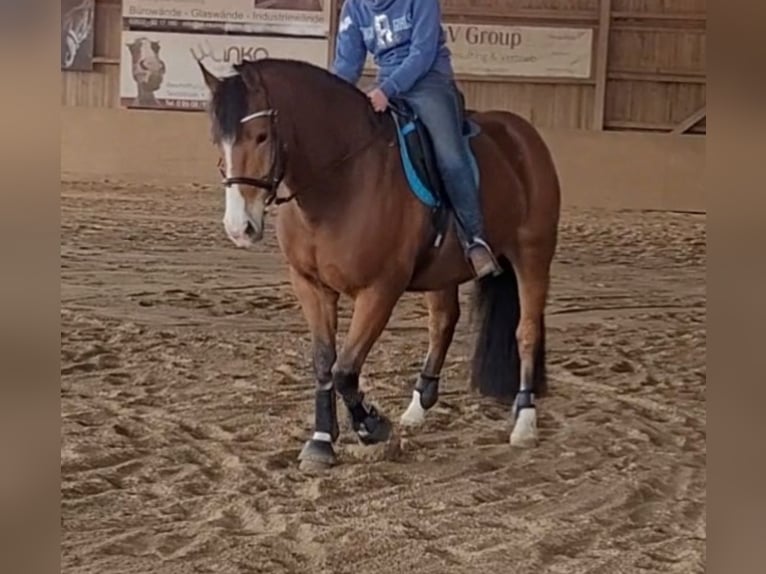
[320, 310]
[533, 272]
[372, 310]
[443, 315]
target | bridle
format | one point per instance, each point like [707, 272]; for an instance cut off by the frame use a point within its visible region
[277, 168]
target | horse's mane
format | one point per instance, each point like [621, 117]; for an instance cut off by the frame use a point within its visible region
[230, 102]
[332, 81]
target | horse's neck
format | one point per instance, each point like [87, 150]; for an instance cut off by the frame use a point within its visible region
[329, 135]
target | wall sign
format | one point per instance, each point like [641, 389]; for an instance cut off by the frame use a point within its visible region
[159, 69]
[520, 51]
[294, 17]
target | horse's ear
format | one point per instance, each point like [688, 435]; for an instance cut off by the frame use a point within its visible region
[211, 81]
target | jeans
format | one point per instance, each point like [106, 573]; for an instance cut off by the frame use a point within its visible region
[435, 99]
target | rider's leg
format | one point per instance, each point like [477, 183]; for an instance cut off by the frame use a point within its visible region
[435, 99]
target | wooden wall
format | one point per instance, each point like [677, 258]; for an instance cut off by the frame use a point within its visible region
[649, 63]
[101, 87]
[656, 64]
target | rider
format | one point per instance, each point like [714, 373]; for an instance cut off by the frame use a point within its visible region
[407, 41]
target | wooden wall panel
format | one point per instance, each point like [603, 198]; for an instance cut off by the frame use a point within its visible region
[513, 7]
[651, 105]
[545, 105]
[679, 52]
[660, 6]
[657, 64]
[108, 25]
[97, 89]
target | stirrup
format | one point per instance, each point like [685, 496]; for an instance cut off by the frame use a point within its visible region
[490, 268]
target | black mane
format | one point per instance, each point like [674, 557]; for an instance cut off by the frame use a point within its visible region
[322, 75]
[228, 107]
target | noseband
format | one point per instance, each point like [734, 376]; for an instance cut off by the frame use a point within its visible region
[276, 172]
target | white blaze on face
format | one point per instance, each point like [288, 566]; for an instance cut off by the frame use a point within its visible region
[237, 215]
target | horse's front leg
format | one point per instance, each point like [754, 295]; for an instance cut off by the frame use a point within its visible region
[320, 308]
[372, 310]
[443, 315]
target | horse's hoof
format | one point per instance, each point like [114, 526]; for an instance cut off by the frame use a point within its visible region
[317, 455]
[524, 433]
[375, 428]
[415, 415]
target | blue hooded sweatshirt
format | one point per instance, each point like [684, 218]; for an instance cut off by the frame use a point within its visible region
[405, 37]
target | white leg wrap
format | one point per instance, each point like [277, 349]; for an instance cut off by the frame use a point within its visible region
[415, 413]
[323, 436]
[524, 433]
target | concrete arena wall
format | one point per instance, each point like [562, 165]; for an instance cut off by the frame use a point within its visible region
[597, 169]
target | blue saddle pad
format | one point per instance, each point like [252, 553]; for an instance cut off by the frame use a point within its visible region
[418, 159]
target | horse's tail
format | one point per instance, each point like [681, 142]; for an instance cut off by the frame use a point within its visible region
[496, 368]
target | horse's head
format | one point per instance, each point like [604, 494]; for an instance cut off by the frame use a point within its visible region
[251, 156]
[147, 66]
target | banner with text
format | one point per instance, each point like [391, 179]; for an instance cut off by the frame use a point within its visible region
[521, 51]
[293, 17]
[159, 69]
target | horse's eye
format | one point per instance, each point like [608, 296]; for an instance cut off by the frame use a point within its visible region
[260, 138]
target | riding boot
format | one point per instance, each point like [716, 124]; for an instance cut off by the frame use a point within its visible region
[471, 236]
[482, 259]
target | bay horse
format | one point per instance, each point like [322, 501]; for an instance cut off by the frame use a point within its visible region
[348, 223]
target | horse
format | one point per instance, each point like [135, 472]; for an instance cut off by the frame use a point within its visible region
[295, 135]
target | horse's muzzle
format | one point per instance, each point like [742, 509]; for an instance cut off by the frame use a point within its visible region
[247, 236]
[253, 233]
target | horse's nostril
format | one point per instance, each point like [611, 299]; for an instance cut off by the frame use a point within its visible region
[249, 230]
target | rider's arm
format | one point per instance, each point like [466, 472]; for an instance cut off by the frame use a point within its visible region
[424, 46]
[350, 51]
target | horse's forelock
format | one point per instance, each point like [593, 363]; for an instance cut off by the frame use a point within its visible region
[228, 107]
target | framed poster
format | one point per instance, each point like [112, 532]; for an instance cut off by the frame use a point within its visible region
[77, 17]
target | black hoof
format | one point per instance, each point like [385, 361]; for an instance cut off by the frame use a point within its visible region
[317, 454]
[374, 429]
